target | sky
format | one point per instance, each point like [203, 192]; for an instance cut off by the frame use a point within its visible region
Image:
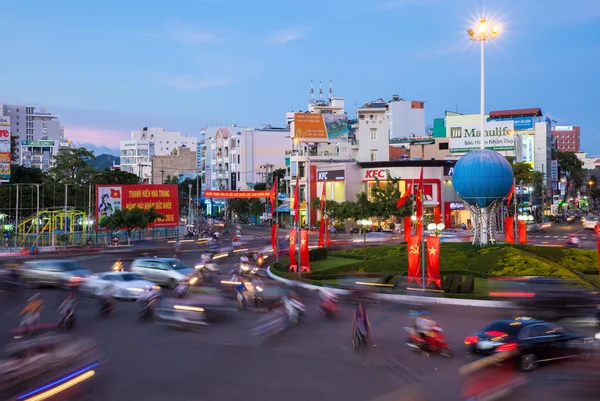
[109, 67]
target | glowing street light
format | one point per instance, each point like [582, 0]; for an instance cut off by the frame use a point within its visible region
[365, 223]
[436, 229]
[482, 34]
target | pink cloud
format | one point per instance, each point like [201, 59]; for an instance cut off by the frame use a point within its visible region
[97, 136]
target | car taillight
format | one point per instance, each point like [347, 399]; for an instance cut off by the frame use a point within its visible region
[471, 340]
[496, 334]
[507, 347]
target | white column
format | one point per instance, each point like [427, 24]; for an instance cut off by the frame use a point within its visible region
[482, 97]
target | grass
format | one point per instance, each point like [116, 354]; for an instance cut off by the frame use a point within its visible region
[331, 262]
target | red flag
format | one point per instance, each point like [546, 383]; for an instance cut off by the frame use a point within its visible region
[273, 195]
[323, 199]
[115, 193]
[522, 232]
[407, 228]
[510, 195]
[414, 259]
[419, 203]
[304, 258]
[327, 238]
[274, 243]
[405, 196]
[321, 242]
[437, 215]
[297, 200]
[509, 229]
[433, 261]
[293, 263]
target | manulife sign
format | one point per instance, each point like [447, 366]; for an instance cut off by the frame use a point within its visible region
[37, 143]
[498, 135]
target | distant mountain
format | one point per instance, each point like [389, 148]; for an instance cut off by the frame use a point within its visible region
[98, 150]
[104, 161]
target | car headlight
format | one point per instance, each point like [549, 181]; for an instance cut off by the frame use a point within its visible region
[245, 268]
[193, 280]
[199, 266]
[259, 289]
[134, 289]
[597, 336]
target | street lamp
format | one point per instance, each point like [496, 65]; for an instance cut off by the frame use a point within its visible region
[436, 229]
[365, 223]
[481, 34]
[189, 205]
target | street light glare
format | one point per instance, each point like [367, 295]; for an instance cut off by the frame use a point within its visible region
[495, 31]
[482, 28]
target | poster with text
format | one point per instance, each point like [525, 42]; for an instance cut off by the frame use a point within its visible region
[4, 149]
[163, 197]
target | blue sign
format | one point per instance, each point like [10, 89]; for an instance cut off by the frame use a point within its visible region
[521, 123]
[6, 234]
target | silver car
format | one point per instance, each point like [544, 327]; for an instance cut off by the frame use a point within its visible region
[163, 271]
[54, 273]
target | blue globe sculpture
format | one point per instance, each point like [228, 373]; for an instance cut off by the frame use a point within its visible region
[481, 177]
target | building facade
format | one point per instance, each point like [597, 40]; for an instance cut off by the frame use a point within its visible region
[164, 141]
[406, 118]
[40, 134]
[136, 158]
[182, 162]
[567, 138]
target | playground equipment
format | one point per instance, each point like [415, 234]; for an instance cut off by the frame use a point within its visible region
[53, 227]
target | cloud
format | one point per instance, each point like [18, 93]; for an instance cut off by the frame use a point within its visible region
[286, 36]
[95, 135]
[187, 83]
[182, 32]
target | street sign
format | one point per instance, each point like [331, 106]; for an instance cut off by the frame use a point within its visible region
[7, 235]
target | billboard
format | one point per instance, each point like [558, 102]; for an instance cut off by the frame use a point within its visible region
[237, 194]
[37, 143]
[521, 123]
[313, 127]
[4, 149]
[528, 149]
[163, 197]
[499, 135]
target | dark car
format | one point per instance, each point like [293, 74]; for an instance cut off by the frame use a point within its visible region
[533, 341]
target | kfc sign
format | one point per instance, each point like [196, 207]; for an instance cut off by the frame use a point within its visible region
[377, 173]
[335, 175]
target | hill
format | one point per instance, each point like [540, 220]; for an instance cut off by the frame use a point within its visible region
[104, 161]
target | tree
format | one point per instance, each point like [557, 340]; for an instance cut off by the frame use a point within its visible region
[280, 174]
[315, 204]
[131, 219]
[256, 207]
[385, 197]
[260, 186]
[171, 180]
[14, 146]
[537, 179]
[523, 173]
[239, 206]
[72, 166]
[116, 177]
[595, 194]
[26, 175]
[572, 168]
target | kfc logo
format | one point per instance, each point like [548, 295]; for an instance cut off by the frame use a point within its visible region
[323, 176]
[376, 174]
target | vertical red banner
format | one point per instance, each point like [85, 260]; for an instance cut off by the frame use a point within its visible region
[509, 229]
[274, 243]
[327, 238]
[522, 232]
[407, 228]
[313, 192]
[433, 261]
[321, 243]
[293, 263]
[598, 245]
[304, 258]
[414, 259]
[437, 215]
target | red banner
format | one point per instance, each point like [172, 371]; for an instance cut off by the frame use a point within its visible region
[509, 229]
[321, 242]
[163, 197]
[273, 196]
[274, 243]
[407, 228]
[437, 215]
[433, 261]
[293, 263]
[296, 205]
[237, 194]
[522, 232]
[304, 258]
[327, 238]
[414, 259]
[598, 245]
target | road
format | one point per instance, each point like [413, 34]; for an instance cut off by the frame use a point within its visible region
[223, 362]
[558, 234]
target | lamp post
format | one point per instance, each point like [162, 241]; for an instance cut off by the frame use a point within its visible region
[189, 218]
[364, 224]
[481, 34]
[436, 229]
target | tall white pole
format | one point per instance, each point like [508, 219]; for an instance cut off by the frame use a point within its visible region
[65, 213]
[482, 95]
[308, 222]
[17, 220]
[37, 217]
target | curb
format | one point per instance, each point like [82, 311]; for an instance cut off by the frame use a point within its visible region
[407, 299]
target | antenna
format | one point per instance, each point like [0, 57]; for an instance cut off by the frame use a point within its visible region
[330, 89]
[320, 90]
[311, 94]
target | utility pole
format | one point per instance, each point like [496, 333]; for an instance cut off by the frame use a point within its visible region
[197, 199]
[37, 218]
[17, 220]
[65, 213]
[162, 176]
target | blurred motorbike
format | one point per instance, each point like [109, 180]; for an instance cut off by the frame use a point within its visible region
[329, 309]
[436, 343]
[66, 321]
[107, 304]
[117, 266]
[147, 310]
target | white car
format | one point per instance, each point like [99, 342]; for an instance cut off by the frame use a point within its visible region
[590, 222]
[126, 285]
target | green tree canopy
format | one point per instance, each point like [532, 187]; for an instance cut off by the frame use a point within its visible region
[256, 207]
[523, 173]
[572, 168]
[131, 219]
[385, 196]
[115, 177]
[72, 167]
[239, 206]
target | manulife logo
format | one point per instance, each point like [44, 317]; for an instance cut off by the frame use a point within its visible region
[460, 132]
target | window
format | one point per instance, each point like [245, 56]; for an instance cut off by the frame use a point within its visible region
[373, 155]
[238, 159]
[17, 123]
[373, 134]
[443, 146]
[238, 176]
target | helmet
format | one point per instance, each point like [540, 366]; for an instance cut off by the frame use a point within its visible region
[244, 259]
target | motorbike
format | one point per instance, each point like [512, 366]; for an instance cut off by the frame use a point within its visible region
[107, 304]
[117, 266]
[437, 342]
[181, 290]
[296, 311]
[67, 319]
[147, 310]
[573, 244]
[329, 309]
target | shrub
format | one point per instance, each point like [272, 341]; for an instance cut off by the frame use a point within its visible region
[317, 254]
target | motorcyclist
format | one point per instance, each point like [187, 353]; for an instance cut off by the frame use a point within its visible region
[327, 298]
[68, 302]
[181, 289]
[360, 323]
[424, 327]
[573, 240]
[118, 266]
[293, 307]
[32, 311]
[107, 296]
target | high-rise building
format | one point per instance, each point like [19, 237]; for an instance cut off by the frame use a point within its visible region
[567, 138]
[39, 131]
[165, 141]
[136, 158]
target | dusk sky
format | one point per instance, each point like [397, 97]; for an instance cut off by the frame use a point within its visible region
[108, 67]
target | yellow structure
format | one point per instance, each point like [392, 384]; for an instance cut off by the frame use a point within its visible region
[40, 227]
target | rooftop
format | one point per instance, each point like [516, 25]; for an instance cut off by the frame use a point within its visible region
[533, 112]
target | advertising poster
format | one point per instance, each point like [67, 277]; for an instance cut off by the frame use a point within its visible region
[312, 127]
[528, 149]
[163, 197]
[499, 135]
[237, 194]
[4, 149]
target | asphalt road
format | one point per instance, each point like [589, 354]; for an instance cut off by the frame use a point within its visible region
[223, 362]
[558, 234]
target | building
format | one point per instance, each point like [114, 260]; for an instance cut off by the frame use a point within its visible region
[406, 118]
[40, 134]
[373, 133]
[165, 141]
[180, 163]
[136, 158]
[567, 138]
